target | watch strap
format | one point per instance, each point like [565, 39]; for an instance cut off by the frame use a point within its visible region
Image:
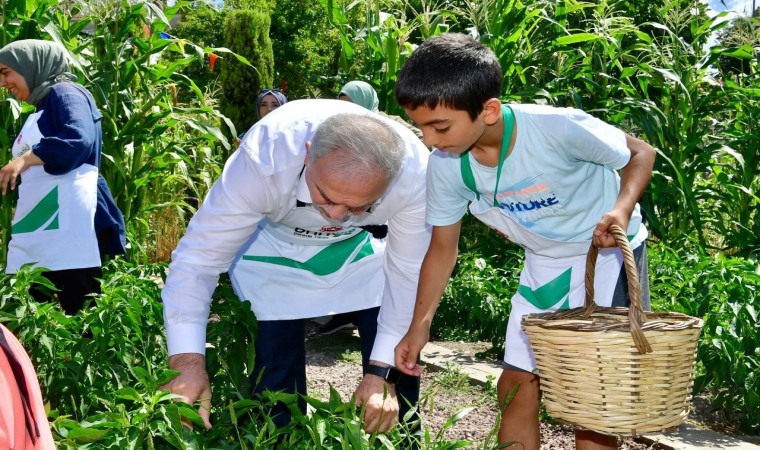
[390, 374]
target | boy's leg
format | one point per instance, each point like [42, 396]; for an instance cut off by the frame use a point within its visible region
[281, 355]
[408, 389]
[519, 420]
[591, 440]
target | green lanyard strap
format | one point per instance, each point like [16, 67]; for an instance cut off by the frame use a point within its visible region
[466, 169]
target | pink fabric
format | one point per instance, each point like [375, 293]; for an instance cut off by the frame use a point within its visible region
[13, 429]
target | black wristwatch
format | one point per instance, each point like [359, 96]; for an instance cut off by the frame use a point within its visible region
[390, 374]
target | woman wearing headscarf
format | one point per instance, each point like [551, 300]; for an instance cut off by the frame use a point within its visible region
[269, 100]
[65, 218]
[363, 94]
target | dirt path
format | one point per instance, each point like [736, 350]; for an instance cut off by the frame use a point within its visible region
[335, 361]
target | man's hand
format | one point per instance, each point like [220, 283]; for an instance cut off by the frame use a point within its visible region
[408, 350]
[603, 238]
[192, 384]
[380, 404]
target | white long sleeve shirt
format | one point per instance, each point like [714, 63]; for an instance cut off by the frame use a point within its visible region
[252, 208]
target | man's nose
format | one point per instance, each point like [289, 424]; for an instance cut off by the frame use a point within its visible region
[336, 212]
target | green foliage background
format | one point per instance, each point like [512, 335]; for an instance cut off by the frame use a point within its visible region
[247, 34]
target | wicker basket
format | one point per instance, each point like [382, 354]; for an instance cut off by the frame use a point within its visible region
[619, 371]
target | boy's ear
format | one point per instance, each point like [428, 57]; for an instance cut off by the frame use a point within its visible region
[492, 111]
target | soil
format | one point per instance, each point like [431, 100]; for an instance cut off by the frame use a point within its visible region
[335, 361]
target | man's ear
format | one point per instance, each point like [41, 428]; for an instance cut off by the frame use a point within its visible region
[308, 147]
[492, 111]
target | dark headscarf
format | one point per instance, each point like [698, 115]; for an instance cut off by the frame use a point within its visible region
[41, 63]
[281, 99]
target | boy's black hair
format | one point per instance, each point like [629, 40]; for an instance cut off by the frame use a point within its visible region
[452, 70]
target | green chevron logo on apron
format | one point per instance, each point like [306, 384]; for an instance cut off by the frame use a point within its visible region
[550, 294]
[327, 261]
[44, 214]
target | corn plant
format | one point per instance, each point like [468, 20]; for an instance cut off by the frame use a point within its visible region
[375, 46]
[147, 134]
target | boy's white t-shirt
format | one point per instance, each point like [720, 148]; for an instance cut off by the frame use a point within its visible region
[554, 187]
[557, 182]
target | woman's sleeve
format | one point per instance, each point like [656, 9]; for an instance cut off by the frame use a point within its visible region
[68, 130]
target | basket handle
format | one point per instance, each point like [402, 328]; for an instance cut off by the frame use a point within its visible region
[636, 314]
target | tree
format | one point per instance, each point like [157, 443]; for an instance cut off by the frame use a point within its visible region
[247, 34]
[306, 49]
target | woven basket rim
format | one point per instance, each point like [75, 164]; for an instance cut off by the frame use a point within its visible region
[602, 320]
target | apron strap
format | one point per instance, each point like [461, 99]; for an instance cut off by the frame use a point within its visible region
[467, 177]
[464, 160]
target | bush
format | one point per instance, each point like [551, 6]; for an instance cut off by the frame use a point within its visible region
[247, 34]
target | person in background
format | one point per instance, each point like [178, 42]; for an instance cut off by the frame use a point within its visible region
[288, 220]
[269, 100]
[362, 93]
[544, 177]
[66, 218]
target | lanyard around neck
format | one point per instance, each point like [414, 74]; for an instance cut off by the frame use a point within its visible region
[469, 179]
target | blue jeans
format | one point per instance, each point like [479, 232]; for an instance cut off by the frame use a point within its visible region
[281, 362]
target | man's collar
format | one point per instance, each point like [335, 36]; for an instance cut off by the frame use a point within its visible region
[302, 189]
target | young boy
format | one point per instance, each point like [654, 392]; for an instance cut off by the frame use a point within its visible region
[545, 178]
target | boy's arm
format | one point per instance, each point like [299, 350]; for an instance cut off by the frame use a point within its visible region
[633, 181]
[434, 276]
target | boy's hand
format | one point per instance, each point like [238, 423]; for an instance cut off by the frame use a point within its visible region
[602, 237]
[408, 350]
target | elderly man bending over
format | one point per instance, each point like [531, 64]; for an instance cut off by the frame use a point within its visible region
[289, 220]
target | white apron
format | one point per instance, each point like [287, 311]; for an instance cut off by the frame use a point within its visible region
[303, 267]
[54, 222]
[547, 283]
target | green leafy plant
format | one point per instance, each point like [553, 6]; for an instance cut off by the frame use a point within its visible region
[724, 292]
